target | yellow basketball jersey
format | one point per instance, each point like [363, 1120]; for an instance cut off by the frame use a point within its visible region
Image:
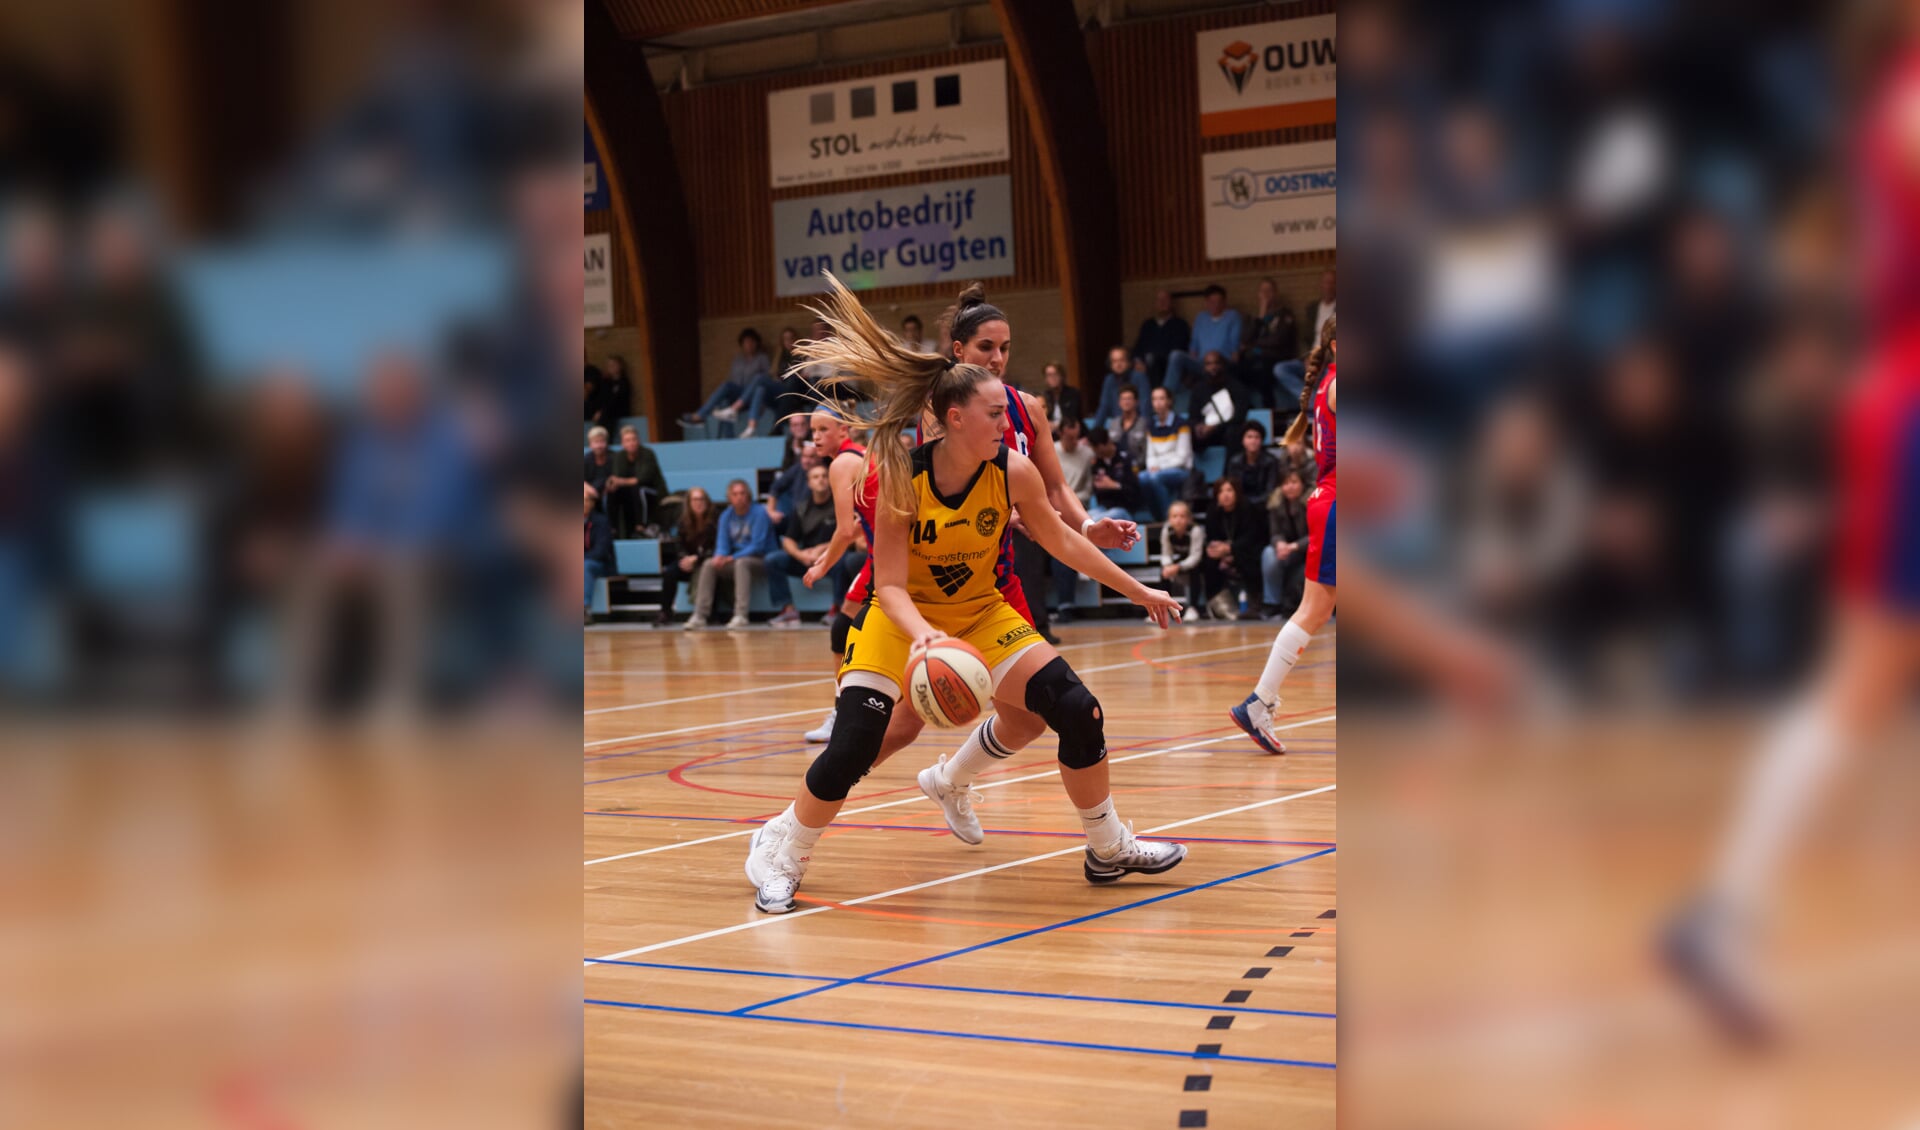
[956, 540]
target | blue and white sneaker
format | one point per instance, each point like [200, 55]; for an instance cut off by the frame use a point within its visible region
[1256, 718]
[1133, 857]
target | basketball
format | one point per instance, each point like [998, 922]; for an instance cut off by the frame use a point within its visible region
[949, 684]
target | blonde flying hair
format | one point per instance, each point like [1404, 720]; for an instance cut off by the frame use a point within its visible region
[906, 381]
[1317, 363]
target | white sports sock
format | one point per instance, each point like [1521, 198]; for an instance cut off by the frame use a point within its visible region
[1782, 787]
[1287, 646]
[1104, 833]
[975, 755]
[800, 838]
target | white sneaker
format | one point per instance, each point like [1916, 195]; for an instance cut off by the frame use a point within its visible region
[1256, 718]
[747, 431]
[738, 622]
[825, 732]
[955, 801]
[774, 873]
[1144, 857]
[696, 622]
[1191, 615]
[726, 414]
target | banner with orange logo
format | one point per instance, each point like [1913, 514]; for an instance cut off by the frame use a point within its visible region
[1266, 76]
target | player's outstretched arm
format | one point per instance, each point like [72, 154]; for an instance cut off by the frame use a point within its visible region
[1107, 533]
[1029, 493]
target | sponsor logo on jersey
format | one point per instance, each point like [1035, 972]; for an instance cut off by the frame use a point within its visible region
[986, 522]
[951, 578]
[1017, 634]
[952, 522]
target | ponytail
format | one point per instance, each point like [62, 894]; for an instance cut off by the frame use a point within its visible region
[1317, 363]
[908, 383]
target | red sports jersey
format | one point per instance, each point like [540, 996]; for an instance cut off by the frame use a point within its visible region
[1323, 433]
[1890, 202]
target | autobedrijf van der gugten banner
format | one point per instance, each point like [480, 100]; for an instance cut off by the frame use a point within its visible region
[923, 233]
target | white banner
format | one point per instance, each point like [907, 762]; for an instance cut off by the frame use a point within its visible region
[599, 280]
[1269, 200]
[888, 124]
[1266, 76]
[919, 233]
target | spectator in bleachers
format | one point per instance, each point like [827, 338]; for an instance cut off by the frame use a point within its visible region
[913, 335]
[1116, 481]
[740, 552]
[691, 547]
[795, 399]
[614, 401]
[1283, 564]
[788, 360]
[599, 539]
[747, 391]
[1062, 400]
[1221, 405]
[1297, 457]
[1237, 528]
[803, 535]
[1270, 365]
[636, 486]
[1217, 328]
[1160, 336]
[1130, 424]
[791, 483]
[599, 463]
[1253, 468]
[1183, 544]
[1320, 310]
[1169, 454]
[1122, 372]
[1076, 459]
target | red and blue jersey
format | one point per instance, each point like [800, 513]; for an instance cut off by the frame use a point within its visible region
[1323, 438]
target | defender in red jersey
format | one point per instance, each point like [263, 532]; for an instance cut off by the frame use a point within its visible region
[1255, 715]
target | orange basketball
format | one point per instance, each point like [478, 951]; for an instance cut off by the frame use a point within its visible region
[949, 684]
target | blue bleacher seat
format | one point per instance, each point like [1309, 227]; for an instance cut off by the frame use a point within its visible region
[713, 482]
[1265, 416]
[815, 599]
[711, 454]
[636, 557]
[1213, 463]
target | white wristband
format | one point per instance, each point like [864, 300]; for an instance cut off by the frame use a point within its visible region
[1085, 526]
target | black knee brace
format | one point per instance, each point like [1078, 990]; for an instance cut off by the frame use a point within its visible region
[1069, 709]
[860, 722]
[842, 624]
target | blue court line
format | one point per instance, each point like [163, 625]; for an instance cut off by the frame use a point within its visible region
[972, 989]
[744, 735]
[944, 828]
[702, 765]
[1029, 1040]
[743, 1011]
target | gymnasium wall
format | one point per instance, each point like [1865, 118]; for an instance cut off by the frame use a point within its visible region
[1145, 72]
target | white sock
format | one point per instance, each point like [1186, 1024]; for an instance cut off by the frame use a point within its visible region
[975, 755]
[1103, 827]
[1287, 647]
[800, 838]
[1780, 791]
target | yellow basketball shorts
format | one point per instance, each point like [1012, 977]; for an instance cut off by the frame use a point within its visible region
[877, 648]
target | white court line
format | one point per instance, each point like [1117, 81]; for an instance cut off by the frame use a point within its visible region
[634, 737]
[977, 788]
[771, 919]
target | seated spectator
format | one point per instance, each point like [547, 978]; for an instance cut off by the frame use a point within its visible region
[1298, 458]
[913, 335]
[1237, 530]
[748, 389]
[1283, 564]
[1183, 544]
[1169, 454]
[1220, 407]
[1160, 337]
[636, 486]
[1061, 399]
[1216, 328]
[794, 398]
[1270, 366]
[803, 534]
[599, 538]
[1116, 484]
[1122, 372]
[692, 544]
[616, 392]
[1076, 466]
[746, 537]
[1129, 426]
[790, 484]
[1253, 468]
[1321, 310]
[599, 463]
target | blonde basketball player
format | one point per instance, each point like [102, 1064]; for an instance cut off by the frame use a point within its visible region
[942, 510]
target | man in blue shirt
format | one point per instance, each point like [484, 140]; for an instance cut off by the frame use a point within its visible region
[1214, 329]
[746, 537]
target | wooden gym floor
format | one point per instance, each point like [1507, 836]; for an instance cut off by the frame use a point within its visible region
[926, 983]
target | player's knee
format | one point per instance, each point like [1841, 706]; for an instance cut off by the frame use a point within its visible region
[859, 726]
[1069, 709]
[842, 624]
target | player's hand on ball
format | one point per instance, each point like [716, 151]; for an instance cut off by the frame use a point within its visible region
[1163, 607]
[921, 641]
